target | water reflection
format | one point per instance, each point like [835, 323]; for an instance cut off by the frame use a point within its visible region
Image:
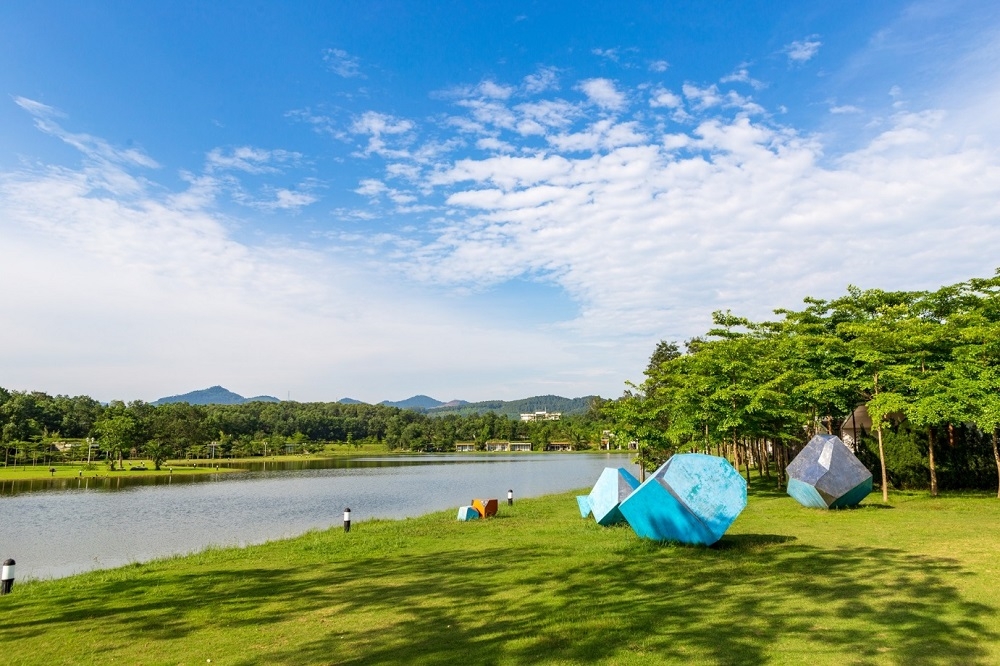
[96, 481]
[55, 527]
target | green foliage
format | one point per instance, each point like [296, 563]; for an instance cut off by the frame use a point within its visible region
[929, 359]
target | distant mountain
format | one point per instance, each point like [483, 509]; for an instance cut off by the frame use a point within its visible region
[514, 408]
[263, 398]
[417, 402]
[216, 395]
[350, 401]
[453, 403]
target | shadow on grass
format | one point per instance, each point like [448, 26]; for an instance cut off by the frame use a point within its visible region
[726, 605]
[745, 541]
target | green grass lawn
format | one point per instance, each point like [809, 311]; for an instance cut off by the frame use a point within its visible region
[917, 583]
[73, 470]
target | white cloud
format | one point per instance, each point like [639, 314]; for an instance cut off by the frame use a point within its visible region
[603, 93]
[494, 144]
[249, 159]
[141, 292]
[844, 108]
[659, 66]
[610, 54]
[751, 216]
[342, 63]
[546, 78]
[494, 90]
[664, 98]
[549, 113]
[37, 108]
[742, 75]
[804, 50]
[93, 147]
[377, 126]
[702, 98]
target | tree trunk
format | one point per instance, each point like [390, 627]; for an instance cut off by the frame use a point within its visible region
[930, 461]
[996, 456]
[881, 459]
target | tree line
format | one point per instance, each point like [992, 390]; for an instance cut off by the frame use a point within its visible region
[925, 365]
[36, 426]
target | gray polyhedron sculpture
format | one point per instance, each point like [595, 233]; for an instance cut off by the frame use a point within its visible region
[827, 475]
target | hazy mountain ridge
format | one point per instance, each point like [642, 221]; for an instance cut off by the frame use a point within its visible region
[514, 408]
[214, 395]
[218, 395]
[422, 402]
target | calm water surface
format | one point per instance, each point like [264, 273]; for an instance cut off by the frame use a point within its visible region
[59, 529]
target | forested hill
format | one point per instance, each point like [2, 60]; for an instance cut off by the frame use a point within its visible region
[417, 402]
[514, 408]
[215, 395]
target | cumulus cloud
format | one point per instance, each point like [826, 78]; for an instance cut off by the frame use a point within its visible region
[804, 50]
[141, 291]
[659, 66]
[662, 97]
[603, 93]
[546, 78]
[379, 126]
[742, 75]
[645, 226]
[649, 232]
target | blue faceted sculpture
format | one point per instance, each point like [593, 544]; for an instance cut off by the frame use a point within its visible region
[612, 487]
[692, 498]
[583, 503]
[827, 475]
[467, 513]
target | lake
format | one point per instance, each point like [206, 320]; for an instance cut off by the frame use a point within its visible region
[62, 528]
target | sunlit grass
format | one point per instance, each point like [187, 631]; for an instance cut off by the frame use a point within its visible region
[910, 584]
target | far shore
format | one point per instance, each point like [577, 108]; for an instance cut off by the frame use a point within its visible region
[186, 467]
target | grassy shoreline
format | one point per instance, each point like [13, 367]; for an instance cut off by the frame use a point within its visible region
[908, 584]
[23, 472]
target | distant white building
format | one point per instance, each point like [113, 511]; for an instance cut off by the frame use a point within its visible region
[541, 416]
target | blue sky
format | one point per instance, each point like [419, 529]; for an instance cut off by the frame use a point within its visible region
[470, 200]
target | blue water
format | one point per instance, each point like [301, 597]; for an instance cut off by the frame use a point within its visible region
[60, 530]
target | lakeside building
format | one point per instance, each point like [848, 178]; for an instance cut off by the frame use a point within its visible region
[541, 415]
[520, 446]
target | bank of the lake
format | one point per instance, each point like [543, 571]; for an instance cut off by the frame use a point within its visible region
[910, 584]
[145, 467]
[57, 527]
[82, 470]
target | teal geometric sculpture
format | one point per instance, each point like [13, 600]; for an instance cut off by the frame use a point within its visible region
[612, 487]
[583, 503]
[467, 513]
[692, 498]
[827, 475]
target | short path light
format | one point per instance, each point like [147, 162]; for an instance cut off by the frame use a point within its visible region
[7, 577]
[347, 519]
[510, 498]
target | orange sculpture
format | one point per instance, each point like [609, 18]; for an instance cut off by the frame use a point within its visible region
[486, 508]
